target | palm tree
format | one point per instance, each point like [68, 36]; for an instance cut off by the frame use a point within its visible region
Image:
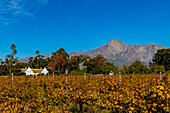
[1, 61]
[15, 60]
[15, 52]
[10, 59]
[53, 54]
[13, 47]
[37, 53]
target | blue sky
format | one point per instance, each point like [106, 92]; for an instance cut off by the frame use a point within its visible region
[80, 25]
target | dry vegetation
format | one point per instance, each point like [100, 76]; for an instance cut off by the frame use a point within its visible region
[141, 93]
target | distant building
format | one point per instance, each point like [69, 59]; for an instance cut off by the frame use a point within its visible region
[30, 71]
[82, 64]
[111, 73]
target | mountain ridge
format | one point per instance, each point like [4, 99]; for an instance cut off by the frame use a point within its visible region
[120, 53]
[26, 60]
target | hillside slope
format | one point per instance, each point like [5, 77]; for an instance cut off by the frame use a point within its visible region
[119, 53]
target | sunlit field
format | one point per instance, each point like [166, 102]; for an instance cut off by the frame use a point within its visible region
[138, 93]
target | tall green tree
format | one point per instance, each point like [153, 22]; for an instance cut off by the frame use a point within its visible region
[138, 67]
[31, 59]
[100, 59]
[156, 68]
[124, 69]
[4, 70]
[95, 64]
[92, 66]
[76, 61]
[109, 67]
[162, 57]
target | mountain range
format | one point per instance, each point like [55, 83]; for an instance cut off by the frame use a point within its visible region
[119, 53]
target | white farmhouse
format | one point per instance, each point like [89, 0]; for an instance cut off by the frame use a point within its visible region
[44, 71]
[30, 71]
[111, 73]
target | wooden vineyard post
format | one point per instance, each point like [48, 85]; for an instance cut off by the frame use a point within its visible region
[119, 77]
[153, 75]
[133, 74]
[85, 76]
[126, 75]
[48, 76]
[12, 79]
[160, 76]
[67, 82]
[91, 77]
[67, 88]
[22, 77]
[53, 76]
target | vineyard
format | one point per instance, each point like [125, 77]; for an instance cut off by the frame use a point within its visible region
[139, 93]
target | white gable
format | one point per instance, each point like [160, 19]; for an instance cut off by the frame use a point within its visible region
[29, 71]
[44, 71]
[111, 73]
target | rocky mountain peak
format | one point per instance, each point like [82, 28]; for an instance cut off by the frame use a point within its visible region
[119, 53]
[115, 42]
[117, 45]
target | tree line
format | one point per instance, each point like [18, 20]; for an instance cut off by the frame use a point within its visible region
[60, 61]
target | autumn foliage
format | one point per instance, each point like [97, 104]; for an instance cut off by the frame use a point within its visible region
[59, 61]
[141, 93]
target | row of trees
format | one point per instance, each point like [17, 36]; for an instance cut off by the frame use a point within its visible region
[60, 61]
[160, 63]
[10, 61]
